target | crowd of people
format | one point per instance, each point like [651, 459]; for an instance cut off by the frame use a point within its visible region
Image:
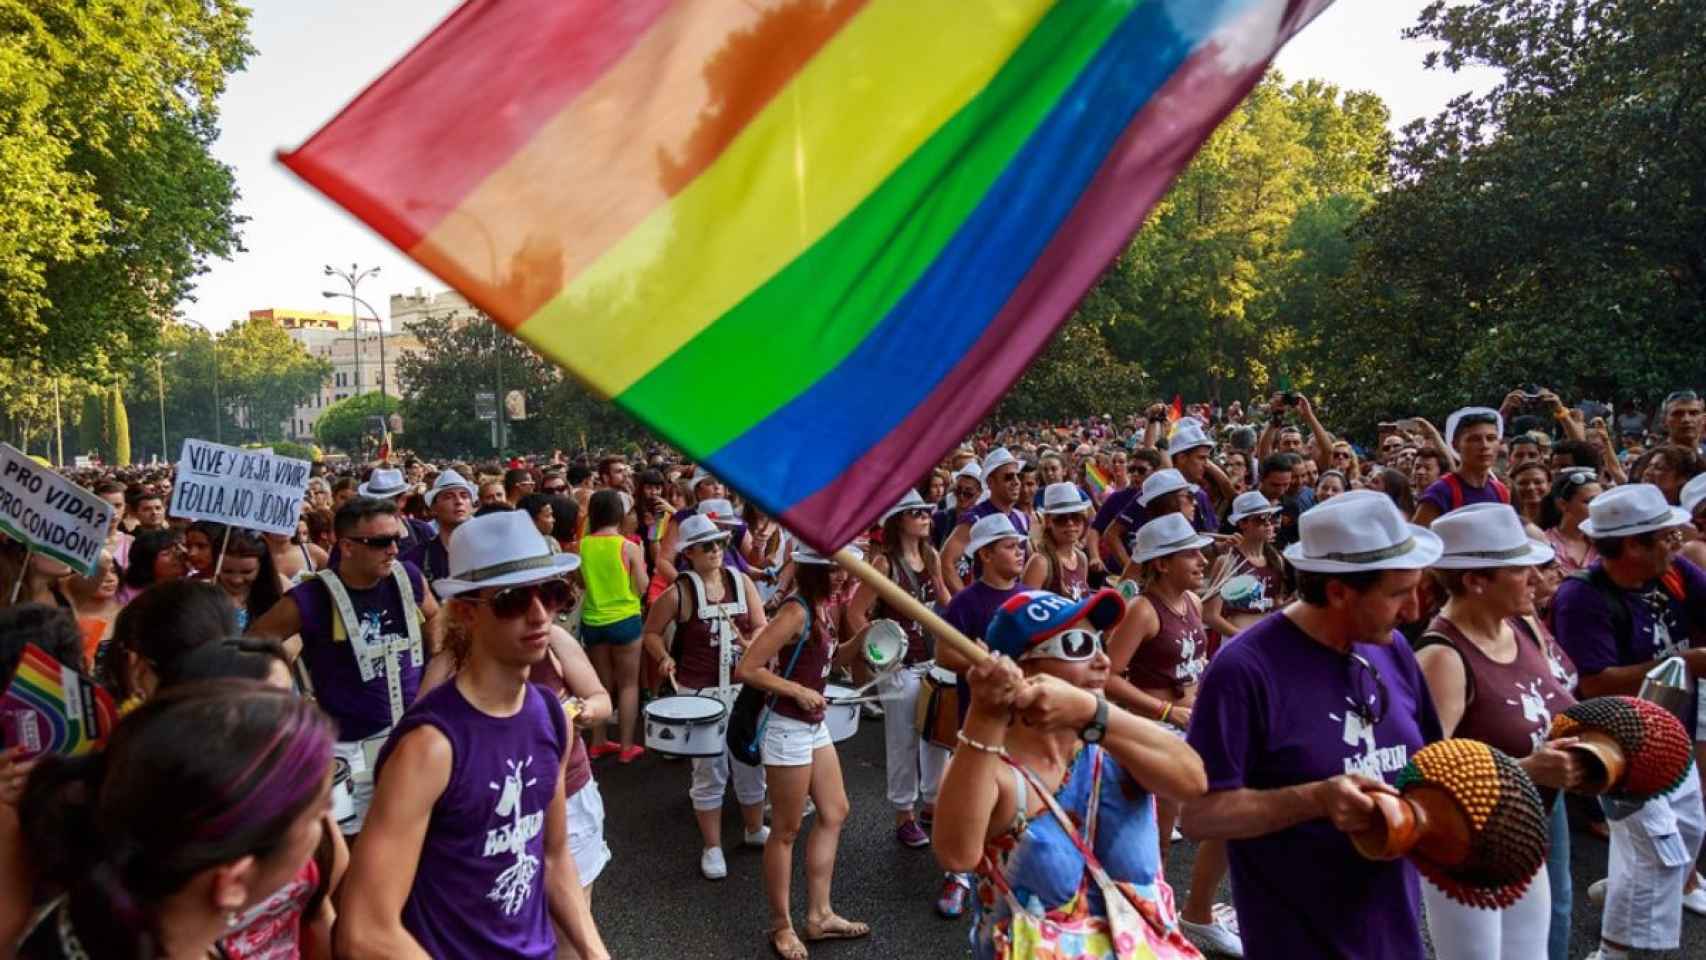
[384, 736]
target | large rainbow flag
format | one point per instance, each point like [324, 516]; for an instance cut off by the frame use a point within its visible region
[808, 241]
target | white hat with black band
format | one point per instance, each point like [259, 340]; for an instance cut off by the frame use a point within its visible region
[1629, 510]
[1484, 535]
[697, 529]
[912, 501]
[1064, 498]
[1166, 535]
[1358, 532]
[502, 549]
[384, 484]
[1251, 503]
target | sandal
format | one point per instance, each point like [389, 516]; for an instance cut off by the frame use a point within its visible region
[785, 943]
[837, 928]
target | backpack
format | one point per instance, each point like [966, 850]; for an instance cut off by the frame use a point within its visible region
[1617, 602]
[1455, 485]
[750, 714]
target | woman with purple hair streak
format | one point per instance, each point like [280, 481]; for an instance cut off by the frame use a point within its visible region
[208, 799]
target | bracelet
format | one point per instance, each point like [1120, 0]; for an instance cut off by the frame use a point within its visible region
[1164, 711]
[981, 747]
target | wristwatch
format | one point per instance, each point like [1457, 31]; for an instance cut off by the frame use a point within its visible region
[1097, 728]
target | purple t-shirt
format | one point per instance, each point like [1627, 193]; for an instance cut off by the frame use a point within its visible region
[1660, 625]
[1135, 515]
[1274, 711]
[361, 709]
[970, 612]
[1438, 493]
[479, 889]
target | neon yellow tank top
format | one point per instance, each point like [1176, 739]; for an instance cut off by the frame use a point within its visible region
[610, 594]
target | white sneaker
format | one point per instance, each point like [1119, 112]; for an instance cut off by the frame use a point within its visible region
[712, 864]
[1596, 892]
[1694, 901]
[756, 838]
[1220, 937]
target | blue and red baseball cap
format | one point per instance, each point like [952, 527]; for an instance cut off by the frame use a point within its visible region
[1031, 616]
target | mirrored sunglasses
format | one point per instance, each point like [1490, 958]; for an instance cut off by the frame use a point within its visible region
[1075, 644]
[512, 602]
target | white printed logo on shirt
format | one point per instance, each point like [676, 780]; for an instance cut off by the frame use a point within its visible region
[515, 885]
[1371, 760]
[1534, 710]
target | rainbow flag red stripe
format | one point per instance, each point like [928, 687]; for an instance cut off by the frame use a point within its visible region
[61, 710]
[808, 241]
[1097, 480]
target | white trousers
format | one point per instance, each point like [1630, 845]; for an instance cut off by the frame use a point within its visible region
[1518, 932]
[1652, 853]
[711, 775]
[914, 766]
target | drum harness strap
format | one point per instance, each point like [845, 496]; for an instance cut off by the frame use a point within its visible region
[721, 618]
[371, 653]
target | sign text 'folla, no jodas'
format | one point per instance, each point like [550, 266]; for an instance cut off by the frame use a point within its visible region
[254, 489]
[51, 514]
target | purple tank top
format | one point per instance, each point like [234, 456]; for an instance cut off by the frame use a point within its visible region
[1508, 705]
[360, 709]
[479, 889]
[812, 669]
[1173, 658]
[696, 646]
[920, 587]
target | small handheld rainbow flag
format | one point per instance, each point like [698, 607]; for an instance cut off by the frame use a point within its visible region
[661, 527]
[809, 242]
[51, 708]
[1097, 480]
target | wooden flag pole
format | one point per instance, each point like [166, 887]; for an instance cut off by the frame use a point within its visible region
[908, 604]
[23, 572]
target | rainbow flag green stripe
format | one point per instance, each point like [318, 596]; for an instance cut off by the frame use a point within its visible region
[853, 277]
[808, 241]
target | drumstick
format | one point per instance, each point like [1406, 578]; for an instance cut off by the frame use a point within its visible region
[906, 603]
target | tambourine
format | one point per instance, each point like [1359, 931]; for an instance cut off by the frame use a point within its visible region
[1635, 750]
[1469, 818]
[885, 645]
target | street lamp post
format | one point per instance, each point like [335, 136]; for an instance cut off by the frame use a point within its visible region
[160, 381]
[353, 277]
[374, 319]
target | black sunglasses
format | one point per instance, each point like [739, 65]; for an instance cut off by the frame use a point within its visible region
[512, 602]
[378, 543]
[1368, 693]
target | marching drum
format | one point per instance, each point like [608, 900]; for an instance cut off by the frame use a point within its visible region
[687, 726]
[885, 645]
[937, 715]
[343, 800]
[843, 718]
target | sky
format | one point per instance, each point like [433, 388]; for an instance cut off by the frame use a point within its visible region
[315, 55]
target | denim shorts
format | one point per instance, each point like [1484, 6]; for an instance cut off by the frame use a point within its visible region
[618, 634]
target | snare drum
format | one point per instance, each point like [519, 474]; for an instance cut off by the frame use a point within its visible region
[885, 645]
[842, 718]
[343, 799]
[937, 715]
[687, 726]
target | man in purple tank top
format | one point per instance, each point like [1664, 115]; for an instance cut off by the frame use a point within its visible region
[466, 851]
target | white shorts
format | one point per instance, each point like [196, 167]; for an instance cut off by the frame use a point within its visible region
[586, 832]
[789, 742]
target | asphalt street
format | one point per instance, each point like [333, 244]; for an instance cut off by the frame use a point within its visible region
[652, 902]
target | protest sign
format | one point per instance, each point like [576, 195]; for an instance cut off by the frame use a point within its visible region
[255, 489]
[50, 514]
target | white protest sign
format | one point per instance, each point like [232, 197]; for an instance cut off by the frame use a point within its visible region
[50, 513]
[254, 489]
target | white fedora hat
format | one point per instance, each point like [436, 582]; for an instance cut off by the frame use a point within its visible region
[1485, 413]
[1693, 493]
[912, 501]
[700, 475]
[384, 483]
[719, 510]
[1166, 535]
[1252, 503]
[1485, 535]
[1628, 510]
[1187, 435]
[1063, 498]
[451, 480]
[997, 458]
[698, 529]
[1162, 482]
[501, 549]
[805, 554]
[1361, 531]
[990, 529]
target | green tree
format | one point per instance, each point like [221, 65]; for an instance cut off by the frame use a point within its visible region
[1552, 229]
[118, 428]
[110, 201]
[266, 374]
[1199, 297]
[1076, 374]
[461, 357]
[187, 362]
[343, 425]
[92, 426]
